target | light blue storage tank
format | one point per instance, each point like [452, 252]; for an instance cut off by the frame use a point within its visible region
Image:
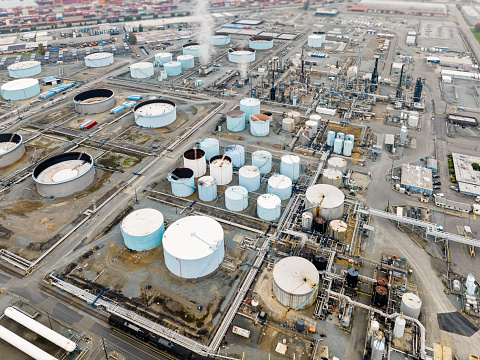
[330, 138]
[347, 148]
[263, 160]
[211, 146]
[280, 185]
[143, 229]
[236, 120]
[183, 182]
[249, 177]
[341, 135]
[236, 153]
[236, 198]
[269, 207]
[250, 106]
[350, 137]
[290, 166]
[207, 188]
[338, 145]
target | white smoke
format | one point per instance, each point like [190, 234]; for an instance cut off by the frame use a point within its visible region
[243, 69]
[206, 30]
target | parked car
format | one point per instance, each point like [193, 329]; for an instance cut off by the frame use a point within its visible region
[435, 176]
[477, 199]
[436, 187]
[395, 178]
[453, 188]
[437, 183]
[439, 194]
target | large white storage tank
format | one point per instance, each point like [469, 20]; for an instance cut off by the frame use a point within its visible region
[241, 55]
[249, 177]
[295, 115]
[20, 89]
[186, 61]
[290, 166]
[262, 159]
[311, 127]
[195, 159]
[325, 200]
[317, 118]
[288, 125]
[155, 113]
[337, 163]
[221, 169]
[269, 207]
[337, 230]
[173, 68]
[236, 198]
[182, 181]
[280, 185]
[162, 58]
[100, 59]
[193, 246]
[24, 69]
[332, 177]
[143, 229]
[260, 42]
[317, 39]
[219, 39]
[235, 120]
[11, 149]
[259, 125]
[141, 70]
[411, 305]
[211, 146]
[207, 188]
[191, 49]
[250, 106]
[94, 101]
[236, 153]
[295, 282]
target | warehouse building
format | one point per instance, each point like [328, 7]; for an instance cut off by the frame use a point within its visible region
[399, 7]
[468, 179]
[417, 179]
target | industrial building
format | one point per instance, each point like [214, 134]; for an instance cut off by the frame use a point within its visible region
[417, 179]
[467, 178]
[94, 101]
[400, 7]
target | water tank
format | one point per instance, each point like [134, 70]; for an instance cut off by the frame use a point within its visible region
[320, 225]
[317, 39]
[350, 137]
[235, 120]
[338, 230]
[210, 146]
[236, 153]
[347, 147]
[295, 115]
[221, 169]
[241, 55]
[236, 198]
[24, 69]
[100, 59]
[162, 58]
[143, 229]
[259, 125]
[173, 68]
[295, 282]
[352, 277]
[331, 138]
[193, 246]
[411, 305]
[141, 70]
[341, 135]
[20, 89]
[186, 61]
[280, 185]
[320, 262]
[317, 118]
[219, 39]
[307, 221]
[207, 188]
[249, 177]
[195, 159]
[12, 149]
[260, 42]
[332, 177]
[300, 325]
[380, 296]
[290, 166]
[250, 106]
[325, 200]
[403, 134]
[470, 285]
[312, 128]
[337, 145]
[269, 207]
[183, 182]
[262, 159]
[378, 350]
[288, 125]
[399, 328]
[337, 163]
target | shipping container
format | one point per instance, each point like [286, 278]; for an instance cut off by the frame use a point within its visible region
[89, 126]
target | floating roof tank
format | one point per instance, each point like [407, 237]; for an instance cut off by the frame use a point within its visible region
[195, 159]
[280, 185]
[237, 154]
[380, 296]
[211, 146]
[250, 106]
[260, 42]
[290, 166]
[193, 246]
[236, 198]
[249, 177]
[143, 229]
[173, 68]
[20, 89]
[219, 39]
[162, 58]
[100, 59]
[183, 182]
[94, 101]
[235, 120]
[24, 69]
[325, 200]
[207, 188]
[262, 159]
[155, 113]
[186, 61]
[11, 149]
[332, 177]
[141, 70]
[295, 282]
[241, 55]
[269, 207]
[221, 169]
[191, 49]
[259, 125]
[411, 305]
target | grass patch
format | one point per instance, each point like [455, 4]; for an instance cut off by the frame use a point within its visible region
[22, 207]
[476, 34]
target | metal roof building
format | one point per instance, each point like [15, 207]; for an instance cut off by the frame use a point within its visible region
[467, 178]
[417, 179]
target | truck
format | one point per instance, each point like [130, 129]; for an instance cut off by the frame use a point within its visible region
[242, 332]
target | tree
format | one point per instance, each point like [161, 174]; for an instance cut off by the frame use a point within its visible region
[140, 28]
[133, 38]
[476, 166]
[452, 171]
[41, 49]
[306, 4]
[476, 28]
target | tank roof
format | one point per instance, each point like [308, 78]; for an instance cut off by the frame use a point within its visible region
[142, 65]
[142, 222]
[99, 55]
[24, 65]
[290, 159]
[296, 275]
[269, 201]
[185, 57]
[206, 181]
[19, 84]
[250, 102]
[235, 113]
[259, 117]
[249, 171]
[325, 195]
[236, 192]
[154, 107]
[278, 181]
[172, 64]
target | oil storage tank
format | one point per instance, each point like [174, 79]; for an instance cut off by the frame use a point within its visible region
[237, 154]
[317, 39]
[241, 55]
[338, 230]
[262, 159]
[280, 185]
[182, 181]
[100, 59]
[195, 159]
[219, 39]
[11, 149]
[162, 58]
[155, 113]
[411, 305]
[250, 106]
[191, 49]
[325, 200]
[207, 188]
[211, 146]
[143, 229]
[259, 125]
[65, 174]
[347, 147]
[260, 42]
[288, 125]
[141, 70]
[94, 101]
[337, 163]
[186, 61]
[295, 115]
[20, 89]
[317, 118]
[193, 246]
[235, 120]
[249, 177]
[221, 169]
[332, 177]
[295, 282]
[236, 198]
[290, 166]
[173, 68]
[24, 69]
[269, 207]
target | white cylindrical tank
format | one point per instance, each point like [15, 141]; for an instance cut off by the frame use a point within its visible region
[377, 350]
[317, 118]
[280, 185]
[341, 135]
[12, 149]
[40, 329]
[221, 169]
[337, 229]
[236, 198]
[259, 125]
[325, 200]
[312, 128]
[195, 159]
[193, 246]
[399, 328]
[211, 146]
[241, 55]
[411, 305]
[249, 177]
[347, 147]
[207, 188]
[470, 285]
[24, 69]
[155, 113]
[191, 49]
[332, 177]
[186, 61]
[20, 89]
[338, 145]
[295, 115]
[100, 59]
[290, 166]
[250, 106]
[260, 42]
[182, 181]
[141, 70]
[337, 163]
[262, 159]
[317, 39]
[173, 68]
[350, 137]
[236, 153]
[307, 220]
[24, 346]
[219, 39]
[143, 229]
[235, 120]
[295, 282]
[330, 138]
[269, 207]
[403, 134]
[288, 125]
[162, 58]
